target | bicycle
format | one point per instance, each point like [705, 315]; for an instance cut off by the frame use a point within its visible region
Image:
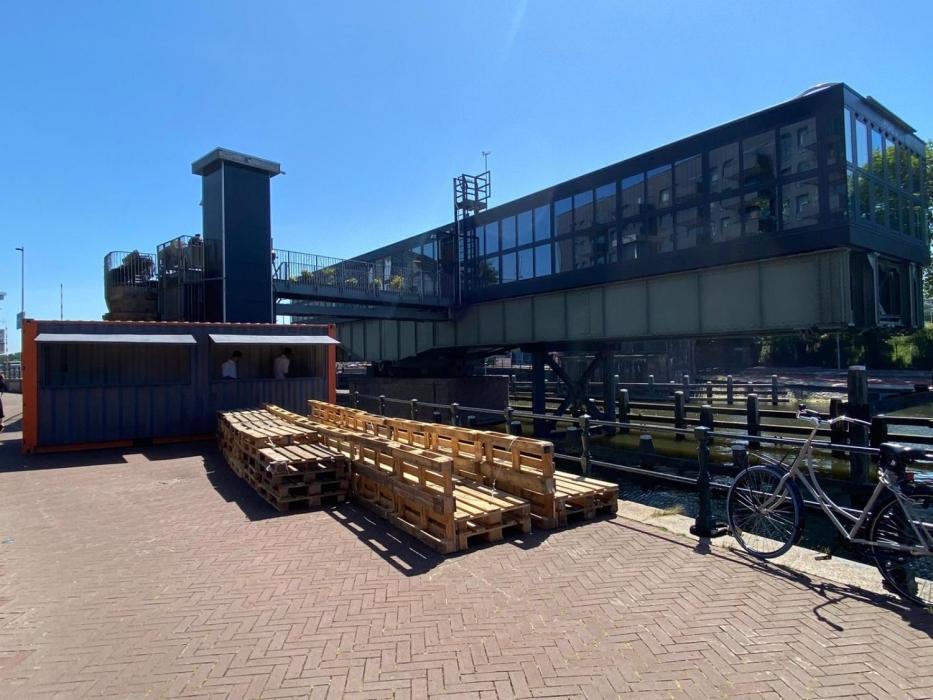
[765, 511]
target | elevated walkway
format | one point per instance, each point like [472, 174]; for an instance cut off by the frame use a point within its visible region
[317, 285]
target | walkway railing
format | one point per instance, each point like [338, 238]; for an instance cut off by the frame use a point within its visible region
[354, 277]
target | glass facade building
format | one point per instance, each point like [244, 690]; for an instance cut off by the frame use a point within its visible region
[827, 169]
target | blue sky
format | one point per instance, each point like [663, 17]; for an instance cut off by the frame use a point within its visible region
[373, 107]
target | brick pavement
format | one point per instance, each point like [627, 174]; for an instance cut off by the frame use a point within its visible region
[160, 575]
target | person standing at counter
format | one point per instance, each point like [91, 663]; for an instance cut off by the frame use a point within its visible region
[228, 370]
[281, 364]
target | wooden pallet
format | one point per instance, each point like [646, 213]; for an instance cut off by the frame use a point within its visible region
[583, 497]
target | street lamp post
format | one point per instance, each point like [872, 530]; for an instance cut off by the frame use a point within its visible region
[22, 284]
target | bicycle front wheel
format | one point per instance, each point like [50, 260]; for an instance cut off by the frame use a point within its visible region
[764, 516]
[909, 575]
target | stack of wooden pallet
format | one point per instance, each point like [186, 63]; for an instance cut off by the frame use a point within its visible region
[519, 466]
[494, 476]
[286, 463]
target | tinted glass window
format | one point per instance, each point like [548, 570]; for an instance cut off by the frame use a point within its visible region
[758, 158]
[509, 268]
[877, 153]
[689, 228]
[661, 233]
[890, 160]
[525, 229]
[894, 210]
[760, 213]
[688, 177]
[659, 185]
[542, 260]
[800, 204]
[563, 216]
[916, 173]
[487, 272]
[864, 197]
[798, 147]
[724, 168]
[606, 203]
[879, 202]
[861, 143]
[480, 241]
[838, 194]
[631, 239]
[563, 255]
[526, 264]
[542, 223]
[583, 210]
[590, 250]
[508, 232]
[725, 220]
[850, 151]
[492, 237]
[633, 195]
[903, 168]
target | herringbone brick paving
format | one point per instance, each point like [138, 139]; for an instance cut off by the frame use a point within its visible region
[161, 575]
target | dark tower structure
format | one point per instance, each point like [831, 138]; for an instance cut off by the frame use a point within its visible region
[237, 236]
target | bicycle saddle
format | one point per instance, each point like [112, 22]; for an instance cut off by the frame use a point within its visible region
[895, 456]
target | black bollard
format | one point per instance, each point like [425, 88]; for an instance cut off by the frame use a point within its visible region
[680, 414]
[752, 419]
[774, 390]
[740, 454]
[730, 390]
[707, 419]
[623, 411]
[709, 392]
[858, 434]
[646, 450]
[704, 525]
[837, 432]
[356, 398]
[686, 385]
[585, 444]
[455, 414]
[382, 404]
[515, 428]
[651, 384]
[878, 431]
[414, 409]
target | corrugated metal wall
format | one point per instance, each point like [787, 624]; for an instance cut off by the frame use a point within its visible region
[94, 393]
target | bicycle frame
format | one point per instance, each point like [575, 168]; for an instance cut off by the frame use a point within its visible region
[832, 509]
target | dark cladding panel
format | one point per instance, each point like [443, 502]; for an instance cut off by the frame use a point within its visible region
[212, 206]
[248, 245]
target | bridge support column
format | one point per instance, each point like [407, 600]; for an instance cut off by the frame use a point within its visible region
[539, 393]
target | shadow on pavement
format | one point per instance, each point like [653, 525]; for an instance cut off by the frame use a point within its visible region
[916, 617]
[403, 552]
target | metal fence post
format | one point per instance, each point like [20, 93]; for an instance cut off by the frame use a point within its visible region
[730, 390]
[774, 390]
[585, 444]
[356, 398]
[858, 434]
[382, 404]
[704, 525]
[455, 415]
[651, 384]
[837, 432]
[740, 454]
[414, 409]
[709, 391]
[507, 415]
[686, 383]
[436, 415]
[707, 419]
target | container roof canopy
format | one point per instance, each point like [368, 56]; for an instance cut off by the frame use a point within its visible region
[227, 339]
[125, 338]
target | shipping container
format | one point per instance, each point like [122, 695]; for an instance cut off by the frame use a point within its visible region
[100, 383]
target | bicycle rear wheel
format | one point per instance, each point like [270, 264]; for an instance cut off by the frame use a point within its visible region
[910, 575]
[764, 516]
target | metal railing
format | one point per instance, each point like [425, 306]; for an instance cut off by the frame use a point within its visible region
[355, 277]
[128, 269]
[181, 255]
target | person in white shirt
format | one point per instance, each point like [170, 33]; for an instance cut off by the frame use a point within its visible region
[281, 364]
[228, 368]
